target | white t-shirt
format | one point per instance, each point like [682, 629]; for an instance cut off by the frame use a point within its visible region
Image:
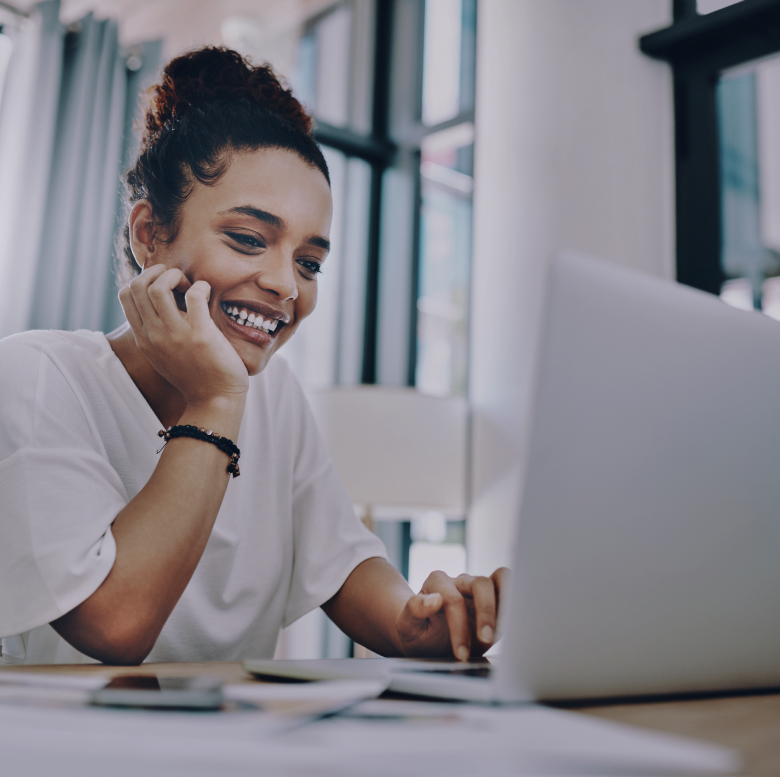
[78, 441]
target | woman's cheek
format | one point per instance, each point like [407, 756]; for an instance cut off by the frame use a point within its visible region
[312, 301]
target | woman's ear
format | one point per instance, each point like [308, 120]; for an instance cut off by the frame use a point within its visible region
[141, 228]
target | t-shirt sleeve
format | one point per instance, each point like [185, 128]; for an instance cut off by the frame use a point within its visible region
[58, 493]
[329, 538]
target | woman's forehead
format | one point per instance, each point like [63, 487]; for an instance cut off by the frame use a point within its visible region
[275, 181]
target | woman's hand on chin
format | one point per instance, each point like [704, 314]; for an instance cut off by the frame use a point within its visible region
[452, 616]
[185, 348]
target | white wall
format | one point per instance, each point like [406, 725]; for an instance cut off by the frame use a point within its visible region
[574, 149]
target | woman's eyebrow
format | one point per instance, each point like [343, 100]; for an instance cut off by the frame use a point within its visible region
[274, 221]
[251, 211]
[319, 241]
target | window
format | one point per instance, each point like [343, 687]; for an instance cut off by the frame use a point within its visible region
[727, 176]
[394, 111]
[342, 76]
[446, 172]
[5, 55]
[391, 87]
[748, 101]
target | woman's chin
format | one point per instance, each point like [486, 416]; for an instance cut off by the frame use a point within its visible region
[254, 358]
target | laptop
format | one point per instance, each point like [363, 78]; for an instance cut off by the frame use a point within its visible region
[647, 552]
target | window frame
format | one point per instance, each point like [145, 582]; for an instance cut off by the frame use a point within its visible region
[379, 151]
[394, 143]
[698, 48]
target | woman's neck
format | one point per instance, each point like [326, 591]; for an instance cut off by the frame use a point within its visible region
[165, 400]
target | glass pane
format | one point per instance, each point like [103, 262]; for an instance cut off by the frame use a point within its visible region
[749, 126]
[333, 70]
[327, 348]
[5, 56]
[352, 289]
[333, 49]
[449, 59]
[708, 6]
[445, 261]
[441, 60]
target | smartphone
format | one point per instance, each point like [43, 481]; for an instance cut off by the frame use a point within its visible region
[167, 693]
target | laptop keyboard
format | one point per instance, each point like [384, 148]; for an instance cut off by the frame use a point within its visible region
[482, 671]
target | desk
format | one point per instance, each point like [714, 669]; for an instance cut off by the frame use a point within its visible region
[749, 724]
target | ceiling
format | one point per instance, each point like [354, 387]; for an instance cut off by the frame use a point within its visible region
[184, 24]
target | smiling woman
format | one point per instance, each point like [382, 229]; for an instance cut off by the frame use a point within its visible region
[114, 553]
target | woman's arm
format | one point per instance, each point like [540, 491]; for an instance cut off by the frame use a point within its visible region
[161, 534]
[160, 537]
[450, 616]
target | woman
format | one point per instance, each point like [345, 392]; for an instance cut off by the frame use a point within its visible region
[113, 552]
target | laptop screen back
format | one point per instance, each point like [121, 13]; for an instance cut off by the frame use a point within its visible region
[648, 548]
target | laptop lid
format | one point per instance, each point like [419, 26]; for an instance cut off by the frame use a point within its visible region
[648, 549]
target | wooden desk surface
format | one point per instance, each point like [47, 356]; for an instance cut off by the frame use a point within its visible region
[749, 724]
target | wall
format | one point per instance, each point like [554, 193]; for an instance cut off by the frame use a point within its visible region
[574, 149]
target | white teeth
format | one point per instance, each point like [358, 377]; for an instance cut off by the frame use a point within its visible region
[250, 319]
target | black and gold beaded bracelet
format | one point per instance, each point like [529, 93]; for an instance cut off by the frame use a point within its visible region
[192, 432]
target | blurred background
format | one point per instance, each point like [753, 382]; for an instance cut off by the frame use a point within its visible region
[468, 141]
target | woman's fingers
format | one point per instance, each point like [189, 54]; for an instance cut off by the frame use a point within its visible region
[483, 594]
[454, 610]
[424, 605]
[197, 298]
[130, 309]
[500, 579]
[160, 293]
[139, 289]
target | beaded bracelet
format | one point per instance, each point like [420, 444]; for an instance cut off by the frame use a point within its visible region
[190, 431]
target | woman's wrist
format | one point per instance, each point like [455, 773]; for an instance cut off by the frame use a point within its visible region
[221, 415]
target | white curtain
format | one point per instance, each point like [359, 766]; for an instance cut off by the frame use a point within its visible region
[28, 117]
[64, 139]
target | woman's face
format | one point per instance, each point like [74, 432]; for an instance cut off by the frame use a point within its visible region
[258, 237]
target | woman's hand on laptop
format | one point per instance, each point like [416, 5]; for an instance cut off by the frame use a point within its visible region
[452, 615]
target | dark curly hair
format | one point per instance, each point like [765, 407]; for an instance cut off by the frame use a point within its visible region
[211, 102]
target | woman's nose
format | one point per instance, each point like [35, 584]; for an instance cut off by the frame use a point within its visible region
[278, 276]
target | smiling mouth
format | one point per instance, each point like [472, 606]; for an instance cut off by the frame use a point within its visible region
[250, 319]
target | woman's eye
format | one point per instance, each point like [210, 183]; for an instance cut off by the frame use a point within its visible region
[247, 240]
[311, 266]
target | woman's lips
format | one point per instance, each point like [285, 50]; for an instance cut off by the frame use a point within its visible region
[259, 337]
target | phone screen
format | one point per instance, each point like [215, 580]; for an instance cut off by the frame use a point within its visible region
[152, 692]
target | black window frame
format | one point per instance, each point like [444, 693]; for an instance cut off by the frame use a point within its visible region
[699, 48]
[379, 151]
[397, 86]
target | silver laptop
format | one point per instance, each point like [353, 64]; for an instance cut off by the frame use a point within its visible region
[647, 557]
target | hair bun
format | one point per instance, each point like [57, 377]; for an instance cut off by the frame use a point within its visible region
[217, 73]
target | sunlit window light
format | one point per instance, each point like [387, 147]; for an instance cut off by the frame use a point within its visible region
[5, 56]
[441, 64]
[738, 293]
[425, 557]
[708, 6]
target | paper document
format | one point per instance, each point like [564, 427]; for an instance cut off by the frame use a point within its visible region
[306, 699]
[377, 737]
[55, 690]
